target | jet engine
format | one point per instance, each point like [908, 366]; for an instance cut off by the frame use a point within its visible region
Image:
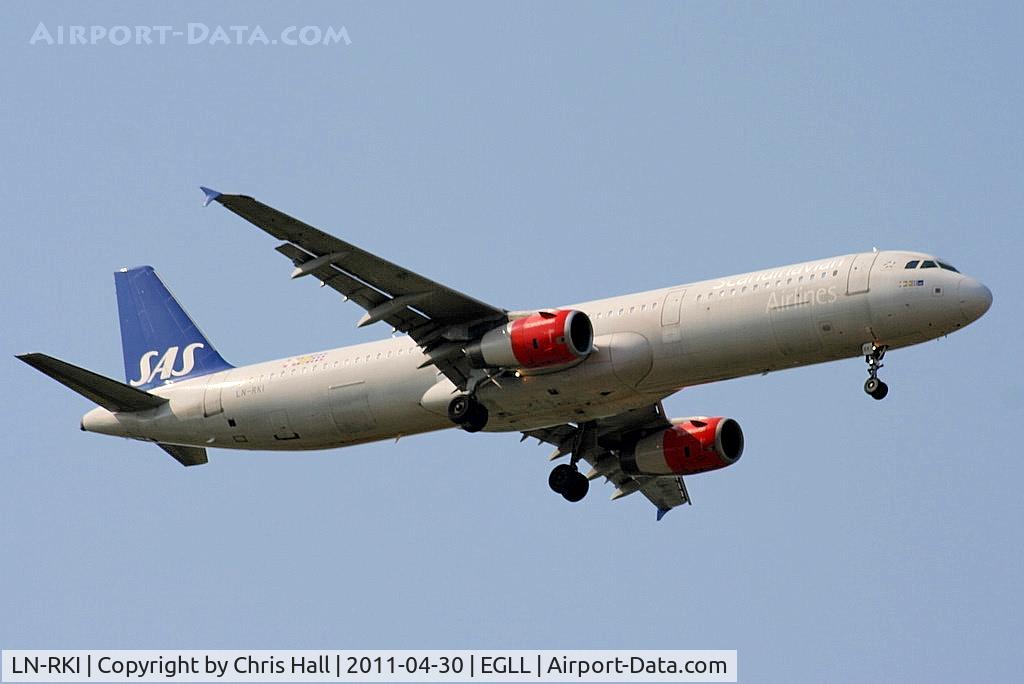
[546, 338]
[691, 445]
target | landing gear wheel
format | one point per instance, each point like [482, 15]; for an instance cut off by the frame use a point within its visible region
[569, 482]
[477, 419]
[559, 478]
[459, 409]
[876, 388]
[468, 413]
[577, 487]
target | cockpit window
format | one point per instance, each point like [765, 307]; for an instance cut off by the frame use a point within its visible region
[912, 264]
[928, 264]
[943, 264]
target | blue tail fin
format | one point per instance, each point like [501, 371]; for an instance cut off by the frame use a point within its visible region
[161, 344]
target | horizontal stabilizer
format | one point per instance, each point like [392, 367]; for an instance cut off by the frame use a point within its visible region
[185, 455]
[110, 394]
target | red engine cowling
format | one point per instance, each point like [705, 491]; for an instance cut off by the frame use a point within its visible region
[693, 445]
[548, 338]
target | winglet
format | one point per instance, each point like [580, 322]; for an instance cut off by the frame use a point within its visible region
[211, 195]
[662, 512]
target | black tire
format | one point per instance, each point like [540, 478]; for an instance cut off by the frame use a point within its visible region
[477, 420]
[881, 391]
[577, 488]
[871, 385]
[560, 477]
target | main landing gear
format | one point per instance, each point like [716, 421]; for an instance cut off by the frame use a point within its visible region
[468, 413]
[567, 480]
[873, 354]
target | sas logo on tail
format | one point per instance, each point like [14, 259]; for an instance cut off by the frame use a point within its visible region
[165, 367]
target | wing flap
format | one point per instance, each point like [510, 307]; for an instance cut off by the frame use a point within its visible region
[363, 294]
[108, 393]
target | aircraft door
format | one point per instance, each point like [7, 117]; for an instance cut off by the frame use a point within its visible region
[858, 279]
[670, 309]
[670, 316]
[213, 397]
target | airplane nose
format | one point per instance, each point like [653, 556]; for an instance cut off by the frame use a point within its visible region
[975, 299]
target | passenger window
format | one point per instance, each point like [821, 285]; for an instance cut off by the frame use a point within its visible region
[912, 264]
[928, 264]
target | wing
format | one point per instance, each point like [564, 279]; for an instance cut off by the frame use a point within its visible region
[437, 317]
[598, 443]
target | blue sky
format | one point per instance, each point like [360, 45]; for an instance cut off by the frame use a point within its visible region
[531, 156]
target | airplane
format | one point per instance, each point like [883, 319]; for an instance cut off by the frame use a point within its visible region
[587, 378]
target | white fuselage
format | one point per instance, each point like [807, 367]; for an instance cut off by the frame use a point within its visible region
[648, 345]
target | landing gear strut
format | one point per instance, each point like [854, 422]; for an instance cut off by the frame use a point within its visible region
[468, 413]
[568, 481]
[873, 354]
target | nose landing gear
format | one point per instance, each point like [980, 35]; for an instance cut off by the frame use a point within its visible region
[873, 354]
